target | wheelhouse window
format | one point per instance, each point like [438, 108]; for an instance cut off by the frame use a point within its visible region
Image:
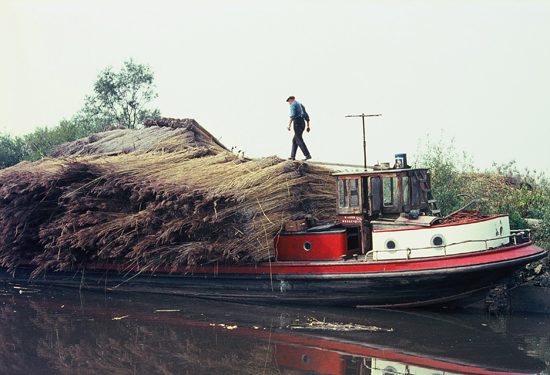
[406, 193]
[416, 191]
[375, 195]
[390, 191]
[354, 192]
[349, 195]
[386, 192]
[343, 198]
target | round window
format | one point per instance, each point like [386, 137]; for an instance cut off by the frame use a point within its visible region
[391, 244]
[307, 246]
[438, 240]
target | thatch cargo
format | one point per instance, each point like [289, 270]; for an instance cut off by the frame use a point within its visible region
[166, 195]
[164, 135]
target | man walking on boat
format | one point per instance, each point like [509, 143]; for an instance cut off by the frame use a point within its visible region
[299, 116]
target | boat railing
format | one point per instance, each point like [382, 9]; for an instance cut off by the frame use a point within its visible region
[516, 237]
[520, 235]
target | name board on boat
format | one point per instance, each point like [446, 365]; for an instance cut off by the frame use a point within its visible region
[351, 219]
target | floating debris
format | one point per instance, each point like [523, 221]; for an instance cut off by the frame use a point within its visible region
[315, 324]
[223, 326]
[120, 317]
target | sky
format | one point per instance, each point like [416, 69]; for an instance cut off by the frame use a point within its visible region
[473, 73]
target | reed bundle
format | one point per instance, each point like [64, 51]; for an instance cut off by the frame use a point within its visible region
[164, 135]
[196, 204]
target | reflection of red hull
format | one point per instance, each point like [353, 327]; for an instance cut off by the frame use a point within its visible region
[339, 282]
[313, 352]
[314, 357]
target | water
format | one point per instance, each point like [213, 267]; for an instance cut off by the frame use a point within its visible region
[66, 332]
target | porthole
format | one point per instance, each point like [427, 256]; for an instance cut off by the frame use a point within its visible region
[438, 240]
[307, 246]
[305, 359]
[390, 244]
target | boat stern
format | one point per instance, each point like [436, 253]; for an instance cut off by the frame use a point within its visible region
[442, 239]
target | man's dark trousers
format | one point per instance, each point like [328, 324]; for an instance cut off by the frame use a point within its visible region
[297, 140]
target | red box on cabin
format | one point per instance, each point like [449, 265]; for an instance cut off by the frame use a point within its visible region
[311, 245]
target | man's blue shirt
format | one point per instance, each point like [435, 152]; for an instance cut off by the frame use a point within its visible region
[297, 110]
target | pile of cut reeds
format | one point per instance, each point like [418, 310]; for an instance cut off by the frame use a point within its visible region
[194, 205]
[159, 135]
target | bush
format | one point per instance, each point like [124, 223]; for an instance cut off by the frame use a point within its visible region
[40, 143]
[12, 150]
[44, 140]
[447, 169]
[502, 190]
[541, 233]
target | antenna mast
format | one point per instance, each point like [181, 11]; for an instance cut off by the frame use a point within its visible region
[362, 115]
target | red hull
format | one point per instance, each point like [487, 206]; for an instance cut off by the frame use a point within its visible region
[355, 267]
[340, 282]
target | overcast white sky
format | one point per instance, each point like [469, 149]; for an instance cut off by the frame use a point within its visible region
[479, 70]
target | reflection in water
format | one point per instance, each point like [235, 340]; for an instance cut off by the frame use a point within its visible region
[64, 332]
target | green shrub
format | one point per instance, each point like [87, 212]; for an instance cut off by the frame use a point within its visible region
[541, 233]
[447, 169]
[42, 141]
[12, 150]
[502, 190]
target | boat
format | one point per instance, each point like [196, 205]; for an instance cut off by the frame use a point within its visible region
[390, 247]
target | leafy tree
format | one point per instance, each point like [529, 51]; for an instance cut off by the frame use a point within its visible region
[119, 99]
[12, 150]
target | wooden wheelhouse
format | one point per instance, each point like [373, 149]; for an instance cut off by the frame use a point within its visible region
[371, 199]
[367, 201]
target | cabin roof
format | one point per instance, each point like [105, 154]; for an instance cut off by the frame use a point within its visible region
[377, 172]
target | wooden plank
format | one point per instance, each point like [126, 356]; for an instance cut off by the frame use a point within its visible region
[340, 164]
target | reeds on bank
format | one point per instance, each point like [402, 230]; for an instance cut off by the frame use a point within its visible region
[180, 200]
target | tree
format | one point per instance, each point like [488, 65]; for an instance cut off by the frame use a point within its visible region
[119, 99]
[12, 150]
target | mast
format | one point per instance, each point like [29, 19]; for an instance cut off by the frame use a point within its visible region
[362, 115]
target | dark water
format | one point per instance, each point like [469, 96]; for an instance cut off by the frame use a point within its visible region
[67, 332]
